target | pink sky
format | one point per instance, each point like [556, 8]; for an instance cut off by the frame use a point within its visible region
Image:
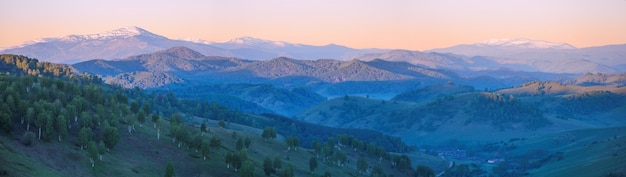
[405, 24]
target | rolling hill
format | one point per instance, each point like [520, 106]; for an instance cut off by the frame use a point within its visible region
[432, 92]
[257, 98]
[583, 152]
[455, 113]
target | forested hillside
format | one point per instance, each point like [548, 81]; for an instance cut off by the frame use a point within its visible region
[96, 129]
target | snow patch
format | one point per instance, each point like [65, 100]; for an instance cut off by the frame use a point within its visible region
[255, 41]
[31, 42]
[525, 43]
[197, 41]
[122, 33]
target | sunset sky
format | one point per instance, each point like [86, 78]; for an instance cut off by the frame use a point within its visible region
[405, 24]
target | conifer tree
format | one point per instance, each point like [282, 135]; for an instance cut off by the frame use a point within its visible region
[92, 148]
[206, 149]
[268, 167]
[169, 170]
[247, 169]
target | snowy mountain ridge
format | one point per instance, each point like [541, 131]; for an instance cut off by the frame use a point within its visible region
[524, 43]
[121, 33]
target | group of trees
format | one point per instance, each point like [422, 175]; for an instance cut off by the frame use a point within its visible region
[334, 152]
[58, 103]
[502, 111]
[276, 167]
[588, 103]
[268, 133]
[308, 132]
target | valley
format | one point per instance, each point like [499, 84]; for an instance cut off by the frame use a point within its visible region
[254, 107]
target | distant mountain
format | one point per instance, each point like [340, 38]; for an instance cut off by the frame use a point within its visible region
[524, 43]
[193, 66]
[431, 60]
[332, 71]
[130, 41]
[543, 56]
[503, 47]
[260, 49]
[176, 60]
[114, 44]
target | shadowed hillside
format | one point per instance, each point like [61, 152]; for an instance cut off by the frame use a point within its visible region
[432, 92]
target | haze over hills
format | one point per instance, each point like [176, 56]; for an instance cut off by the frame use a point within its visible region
[260, 49]
[518, 53]
[194, 66]
[546, 56]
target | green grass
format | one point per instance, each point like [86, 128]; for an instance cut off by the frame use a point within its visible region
[586, 152]
[16, 162]
[141, 154]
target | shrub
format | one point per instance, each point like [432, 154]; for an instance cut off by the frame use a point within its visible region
[28, 138]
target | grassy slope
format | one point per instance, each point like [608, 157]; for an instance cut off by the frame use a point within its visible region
[335, 112]
[17, 162]
[586, 152]
[555, 88]
[141, 154]
[378, 115]
[394, 118]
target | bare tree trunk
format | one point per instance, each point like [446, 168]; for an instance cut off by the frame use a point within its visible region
[158, 133]
[39, 133]
[28, 126]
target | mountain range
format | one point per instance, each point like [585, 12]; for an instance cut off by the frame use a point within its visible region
[193, 66]
[188, 72]
[130, 41]
[518, 54]
[545, 56]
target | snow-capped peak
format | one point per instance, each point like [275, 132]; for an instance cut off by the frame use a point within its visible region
[525, 43]
[196, 40]
[253, 41]
[126, 32]
[31, 42]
